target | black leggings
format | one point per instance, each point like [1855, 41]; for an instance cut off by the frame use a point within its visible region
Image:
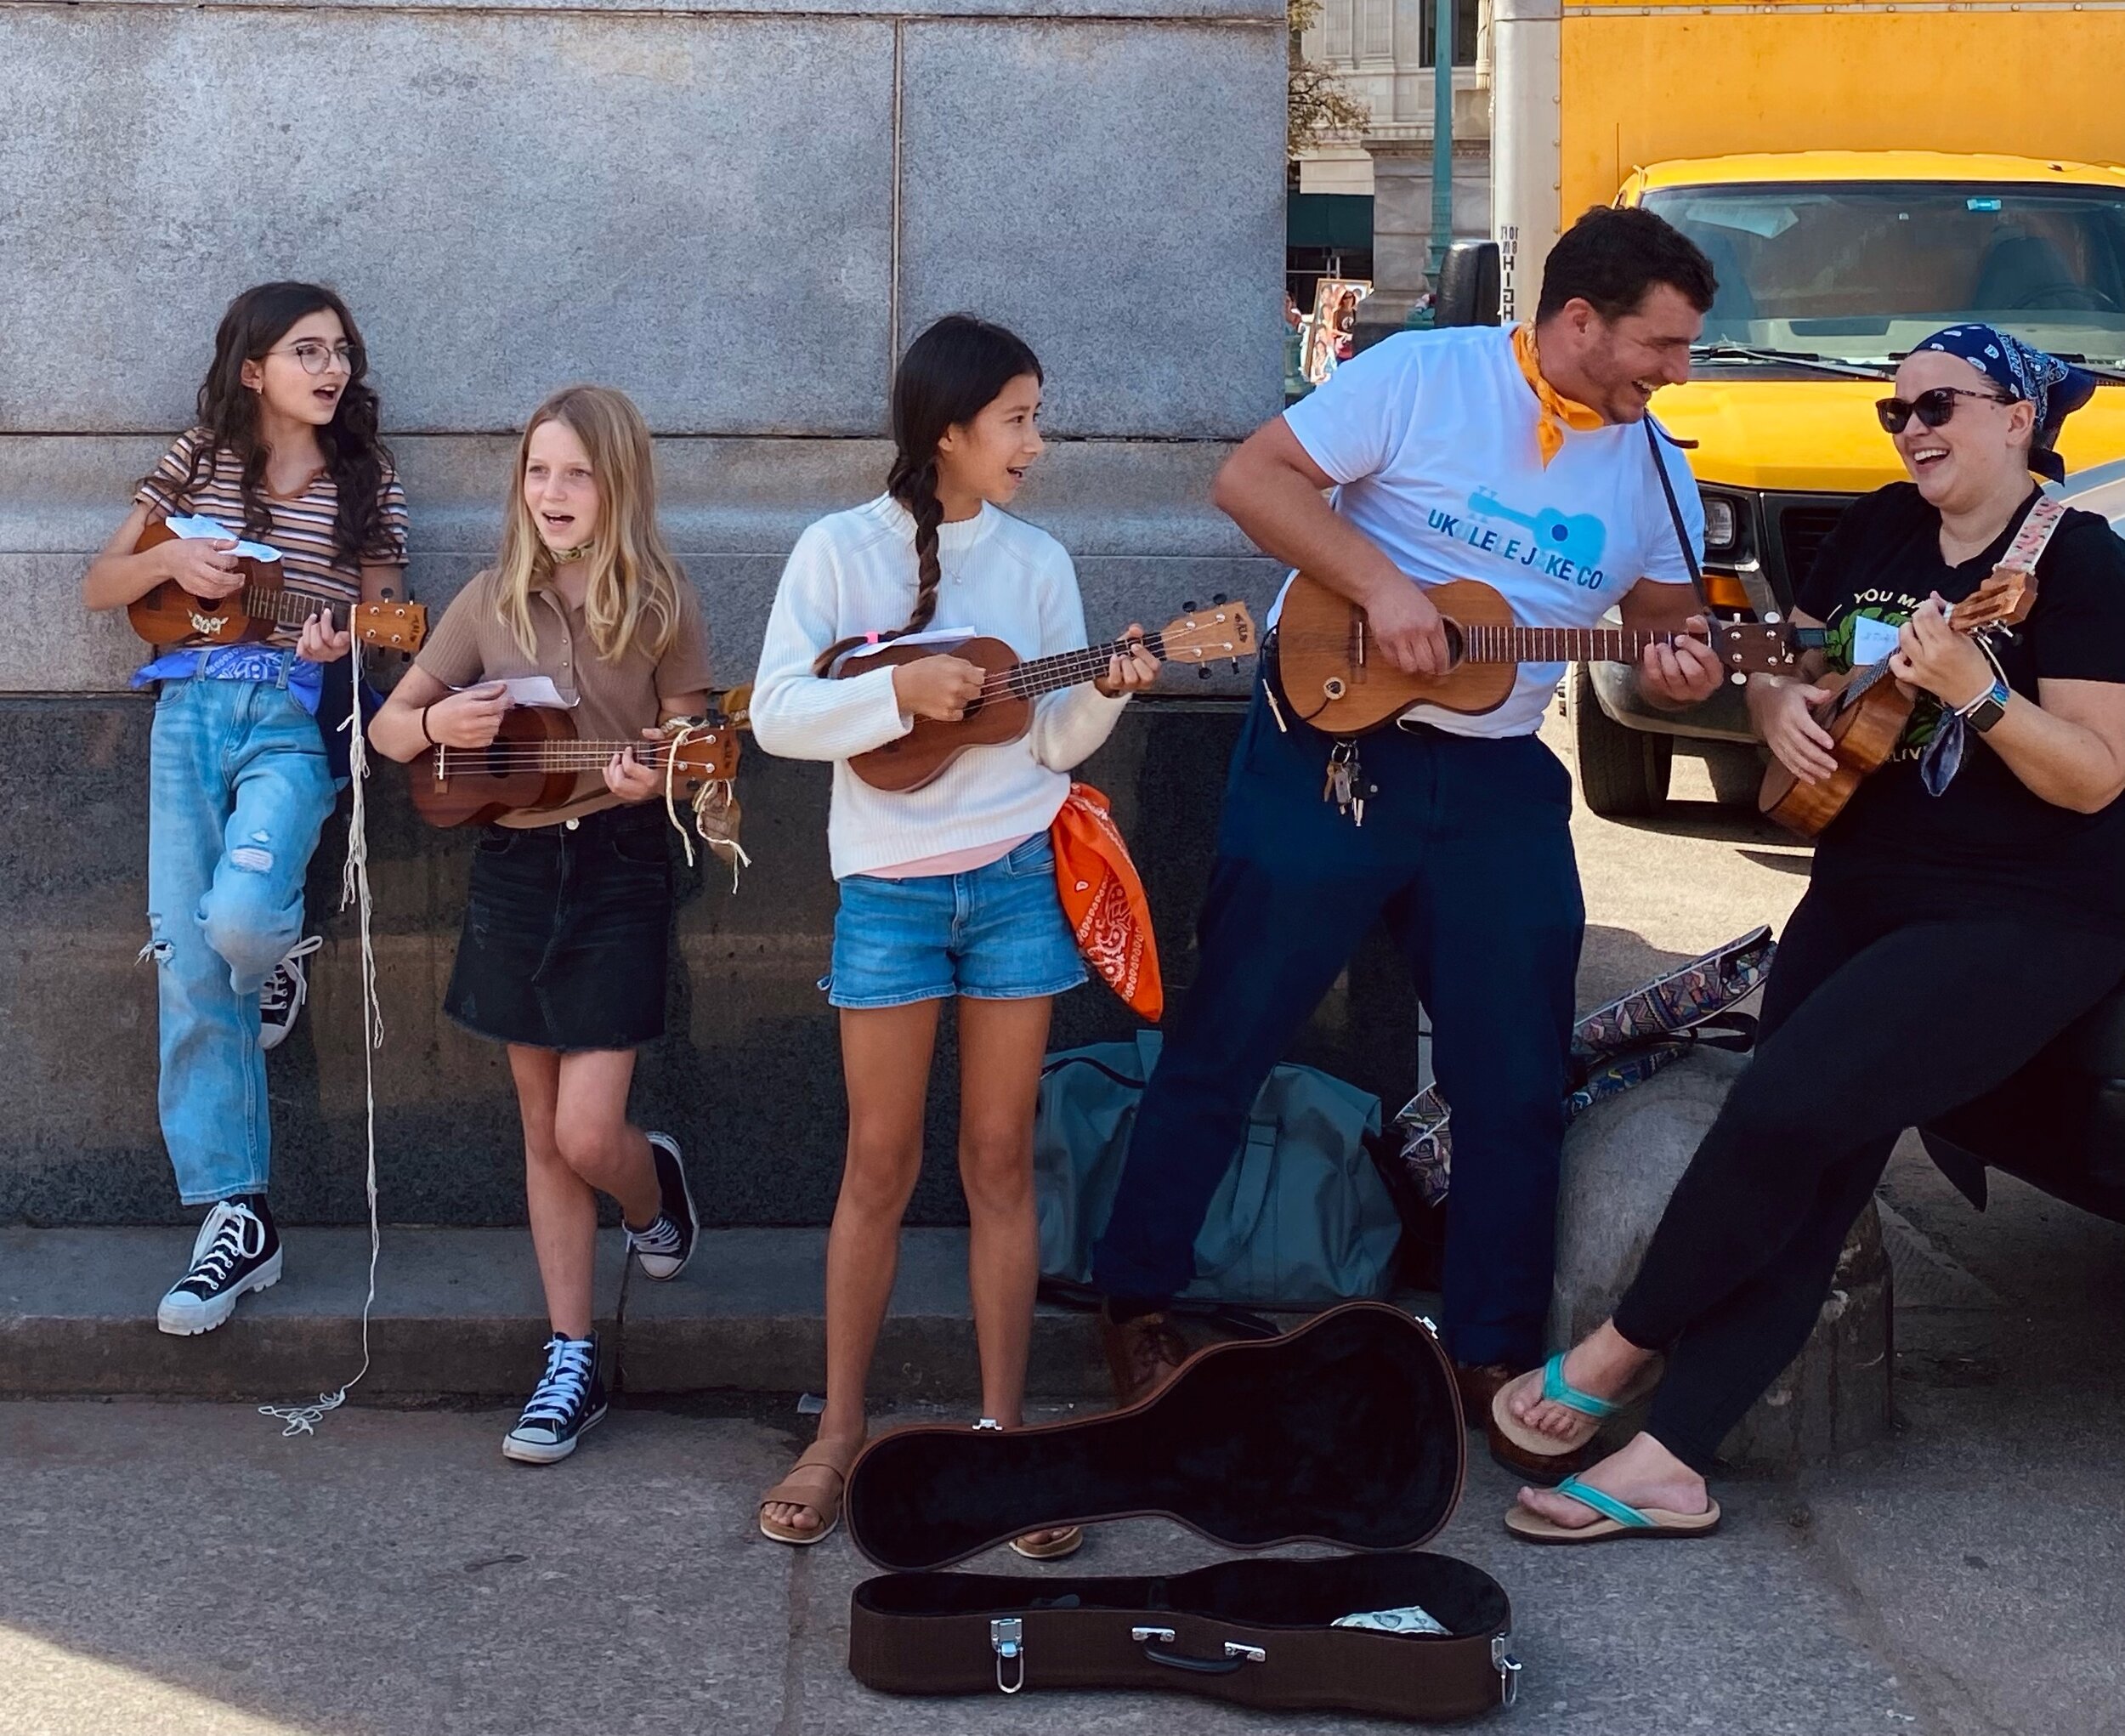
[1874, 1021]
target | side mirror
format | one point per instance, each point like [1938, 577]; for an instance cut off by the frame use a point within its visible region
[1467, 292]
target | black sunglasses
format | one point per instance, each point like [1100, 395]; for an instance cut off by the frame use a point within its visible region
[1932, 408]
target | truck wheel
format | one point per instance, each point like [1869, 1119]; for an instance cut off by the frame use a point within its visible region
[1623, 772]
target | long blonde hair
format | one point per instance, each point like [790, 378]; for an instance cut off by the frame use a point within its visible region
[633, 594]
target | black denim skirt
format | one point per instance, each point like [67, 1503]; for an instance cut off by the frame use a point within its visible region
[567, 932]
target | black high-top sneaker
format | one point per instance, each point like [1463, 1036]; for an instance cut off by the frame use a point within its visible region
[281, 995]
[569, 1399]
[237, 1250]
[665, 1246]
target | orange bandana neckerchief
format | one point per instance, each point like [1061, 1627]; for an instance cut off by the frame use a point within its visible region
[1103, 899]
[1559, 412]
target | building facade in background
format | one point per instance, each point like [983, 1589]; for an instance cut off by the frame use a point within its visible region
[1362, 207]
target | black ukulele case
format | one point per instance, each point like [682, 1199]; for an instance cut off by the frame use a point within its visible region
[1345, 1431]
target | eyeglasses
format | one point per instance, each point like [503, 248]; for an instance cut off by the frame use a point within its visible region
[1932, 408]
[317, 357]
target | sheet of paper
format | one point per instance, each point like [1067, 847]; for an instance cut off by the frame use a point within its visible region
[530, 690]
[1871, 640]
[215, 530]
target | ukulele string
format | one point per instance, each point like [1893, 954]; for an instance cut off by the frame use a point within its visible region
[1064, 669]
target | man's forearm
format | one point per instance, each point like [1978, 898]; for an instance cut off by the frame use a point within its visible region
[1285, 515]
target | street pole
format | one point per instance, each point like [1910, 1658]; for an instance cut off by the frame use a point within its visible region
[1442, 138]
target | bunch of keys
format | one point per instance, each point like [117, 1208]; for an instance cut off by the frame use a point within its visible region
[1342, 783]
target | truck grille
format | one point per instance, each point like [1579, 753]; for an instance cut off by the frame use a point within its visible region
[1802, 531]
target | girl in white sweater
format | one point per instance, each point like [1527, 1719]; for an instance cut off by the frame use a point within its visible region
[948, 891]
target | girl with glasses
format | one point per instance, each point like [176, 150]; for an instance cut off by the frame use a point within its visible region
[248, 745]
[947, 891]
[1963, 908]
[567, 919]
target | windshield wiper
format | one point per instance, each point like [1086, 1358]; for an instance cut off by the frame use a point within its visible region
[1798, 358]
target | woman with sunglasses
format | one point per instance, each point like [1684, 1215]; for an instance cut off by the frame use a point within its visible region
[1964, 908]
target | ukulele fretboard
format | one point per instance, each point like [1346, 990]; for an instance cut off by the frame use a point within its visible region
[1064, 669]
[1496, 643]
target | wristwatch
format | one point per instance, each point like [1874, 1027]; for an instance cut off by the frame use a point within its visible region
[1989, 707]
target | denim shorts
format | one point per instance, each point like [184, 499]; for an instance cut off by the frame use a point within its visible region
[997, 933]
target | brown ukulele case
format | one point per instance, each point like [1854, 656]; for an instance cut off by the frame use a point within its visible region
[1345, 1432]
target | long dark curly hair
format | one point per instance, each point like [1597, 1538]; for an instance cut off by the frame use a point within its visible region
[354, 457]
[955, 369]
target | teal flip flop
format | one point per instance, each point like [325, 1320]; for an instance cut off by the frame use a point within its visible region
[1618, 1519]
[1557, 1390]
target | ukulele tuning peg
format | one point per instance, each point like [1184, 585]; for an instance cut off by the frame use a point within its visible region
[1188, 607]
[1219, 600]
[1203, 672]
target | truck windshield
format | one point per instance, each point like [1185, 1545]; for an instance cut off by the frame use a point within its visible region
[1861, 271]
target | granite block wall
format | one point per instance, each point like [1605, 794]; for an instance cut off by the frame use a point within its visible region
[738, 213]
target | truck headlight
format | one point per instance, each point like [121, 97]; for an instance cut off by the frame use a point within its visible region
[1722, 525]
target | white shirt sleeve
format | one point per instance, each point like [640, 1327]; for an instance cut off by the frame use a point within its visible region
[1069, 727]
[1354, 422]
[798, 715]
[1663, 563]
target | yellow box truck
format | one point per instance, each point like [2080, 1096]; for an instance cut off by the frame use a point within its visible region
[1860, 175]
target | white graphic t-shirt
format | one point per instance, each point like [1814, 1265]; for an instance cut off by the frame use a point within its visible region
[1430, 438]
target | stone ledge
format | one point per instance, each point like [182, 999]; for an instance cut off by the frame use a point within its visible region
[459, 1316]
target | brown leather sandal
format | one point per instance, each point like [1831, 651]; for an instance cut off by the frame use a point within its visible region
[815, 1481]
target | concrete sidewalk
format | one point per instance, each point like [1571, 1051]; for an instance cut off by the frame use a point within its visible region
[179, 1568]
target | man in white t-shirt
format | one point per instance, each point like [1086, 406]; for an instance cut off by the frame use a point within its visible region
[1514, 457]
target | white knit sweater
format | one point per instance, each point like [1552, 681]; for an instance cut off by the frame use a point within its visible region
[854, 572]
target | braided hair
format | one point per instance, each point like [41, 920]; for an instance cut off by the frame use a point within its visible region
[955, 369]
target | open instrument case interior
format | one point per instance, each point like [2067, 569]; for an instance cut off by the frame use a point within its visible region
[1346, 1432]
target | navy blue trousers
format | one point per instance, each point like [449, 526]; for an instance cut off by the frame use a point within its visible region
[1466, 854]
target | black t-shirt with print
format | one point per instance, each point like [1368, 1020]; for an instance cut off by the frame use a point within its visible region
[1988, 839]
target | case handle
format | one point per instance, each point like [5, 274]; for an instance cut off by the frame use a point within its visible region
[1236, 1657]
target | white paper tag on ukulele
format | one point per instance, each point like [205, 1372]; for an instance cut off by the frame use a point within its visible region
[213, 531]
[1871, 640]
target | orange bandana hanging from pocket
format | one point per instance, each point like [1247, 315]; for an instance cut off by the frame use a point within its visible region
[1103, 900]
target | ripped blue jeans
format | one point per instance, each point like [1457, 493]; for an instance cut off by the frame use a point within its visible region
[238, 790]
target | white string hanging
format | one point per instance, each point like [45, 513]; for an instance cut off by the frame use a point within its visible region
[715, 804]
[353, 890]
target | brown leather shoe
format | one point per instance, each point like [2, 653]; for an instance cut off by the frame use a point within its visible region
[1478, 1384]
[1142, 1354]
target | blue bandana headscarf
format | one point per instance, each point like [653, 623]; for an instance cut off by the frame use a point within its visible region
[2055, 388]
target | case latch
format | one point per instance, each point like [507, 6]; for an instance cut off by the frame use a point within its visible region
[1007, 1640]
[1507, 1666]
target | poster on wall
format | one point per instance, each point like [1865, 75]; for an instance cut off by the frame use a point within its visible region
[1330, 329]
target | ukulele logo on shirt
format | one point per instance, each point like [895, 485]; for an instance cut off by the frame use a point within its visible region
[1865, 632]
[1564, 546]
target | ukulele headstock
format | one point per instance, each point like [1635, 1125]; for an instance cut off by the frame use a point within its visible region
[705, 754]
[1746, 648]
[2004, 599]
[1224, 629]
[396, 626]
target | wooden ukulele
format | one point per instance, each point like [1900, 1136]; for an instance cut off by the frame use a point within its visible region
[1334, 676]
[1869, 709]
[170, 615]
[534, 762]
[1003, 710]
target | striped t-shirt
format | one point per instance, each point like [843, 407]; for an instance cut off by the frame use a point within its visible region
[302, 528]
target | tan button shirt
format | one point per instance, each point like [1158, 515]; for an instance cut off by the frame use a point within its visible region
[611, 701]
